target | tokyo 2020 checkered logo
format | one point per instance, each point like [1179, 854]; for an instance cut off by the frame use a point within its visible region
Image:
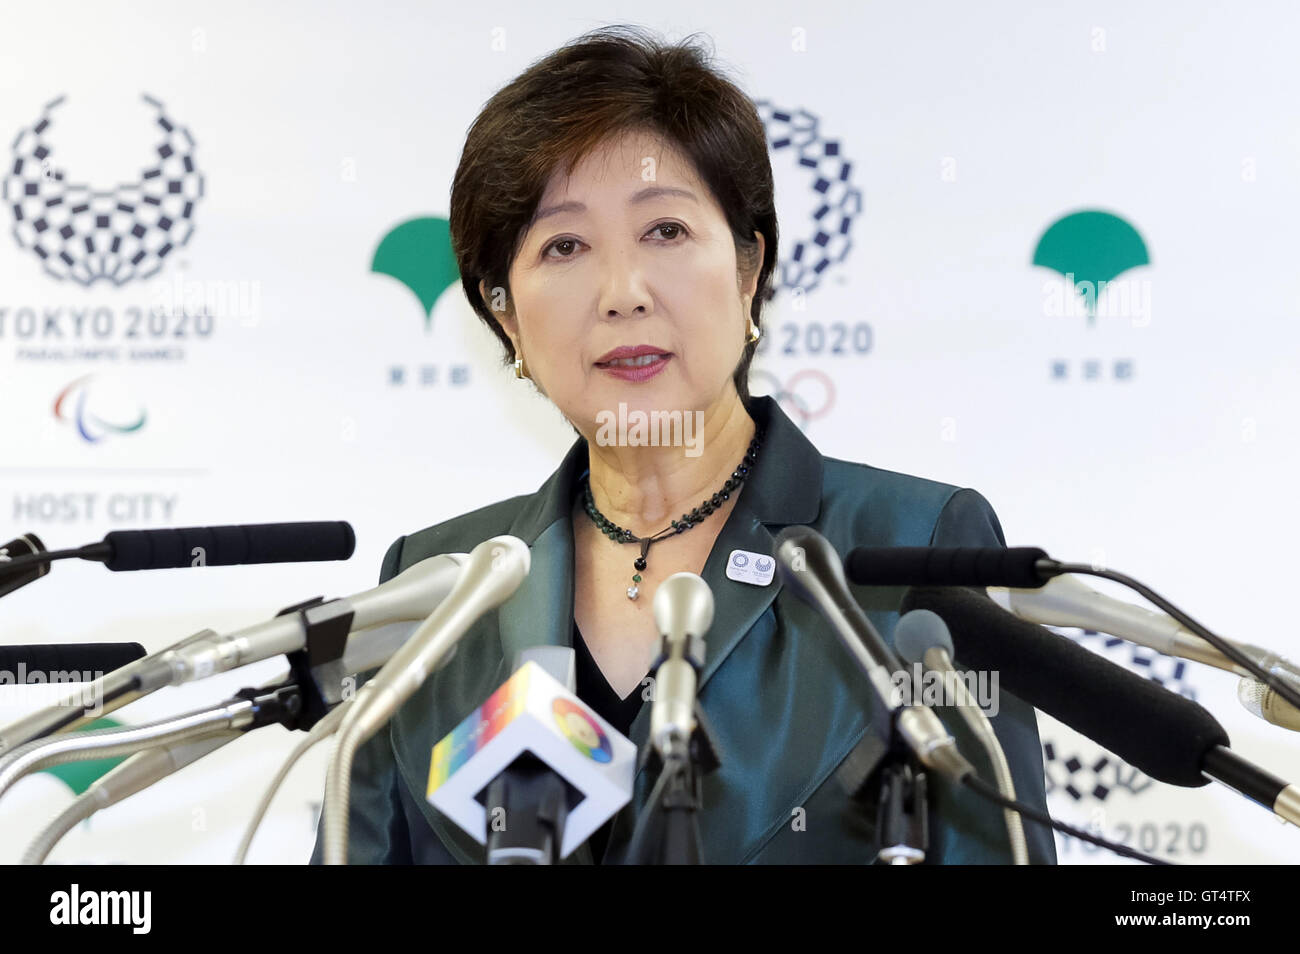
[119, 234]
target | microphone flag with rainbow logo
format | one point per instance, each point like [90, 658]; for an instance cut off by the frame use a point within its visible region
[533, 712]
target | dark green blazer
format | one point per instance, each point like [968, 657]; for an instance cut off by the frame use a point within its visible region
[785, 701]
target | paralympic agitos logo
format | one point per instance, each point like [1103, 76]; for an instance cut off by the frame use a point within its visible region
[86, 234]
[76, 406]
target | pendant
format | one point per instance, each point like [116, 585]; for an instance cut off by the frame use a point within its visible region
[634, 590]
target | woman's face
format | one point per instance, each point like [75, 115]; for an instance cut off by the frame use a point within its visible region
[630, 257]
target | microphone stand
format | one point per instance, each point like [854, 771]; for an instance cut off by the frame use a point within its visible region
[531, 791]
[675, 801]
[903, 827]
[885, 780]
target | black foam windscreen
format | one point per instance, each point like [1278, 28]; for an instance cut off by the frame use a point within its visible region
[68, 658]
[945, 566]
[1157, 731]
[230, 546]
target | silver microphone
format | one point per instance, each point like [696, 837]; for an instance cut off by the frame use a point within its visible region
[411, 595]
[812, 569]
[922, 638]
[1065, 601]
[1263, 701]
[490, 576]
[134, 775]
[683, 609]
[377, 624]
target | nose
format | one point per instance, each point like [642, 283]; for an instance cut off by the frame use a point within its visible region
[624, 292]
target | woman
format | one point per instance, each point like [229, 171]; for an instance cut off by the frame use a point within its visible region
[614, 224]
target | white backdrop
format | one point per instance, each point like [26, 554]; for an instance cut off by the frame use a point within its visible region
[272, 391]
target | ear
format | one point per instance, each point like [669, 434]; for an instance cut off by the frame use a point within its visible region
[501, 309]
[752, 281]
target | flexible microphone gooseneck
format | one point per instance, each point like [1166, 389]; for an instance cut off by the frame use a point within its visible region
[1066, 601]
[490, 576]
[923, 640]
[376, 618]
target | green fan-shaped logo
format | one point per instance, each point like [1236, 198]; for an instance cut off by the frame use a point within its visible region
[418, 254]
[79, 776]
[1091, 249]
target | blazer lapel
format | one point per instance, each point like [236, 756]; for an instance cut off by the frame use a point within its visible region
[784, 489]
[541, 611]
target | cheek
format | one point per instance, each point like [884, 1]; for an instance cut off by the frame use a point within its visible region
[551, 310]
[697, 276]
[544, 297]
[704, 302]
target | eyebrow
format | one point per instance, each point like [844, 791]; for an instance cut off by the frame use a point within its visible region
[645, 195]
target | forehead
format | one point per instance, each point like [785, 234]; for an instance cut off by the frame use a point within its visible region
[624, 163]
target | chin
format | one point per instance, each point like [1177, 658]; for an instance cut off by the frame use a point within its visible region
[601, 407]
[645, 396]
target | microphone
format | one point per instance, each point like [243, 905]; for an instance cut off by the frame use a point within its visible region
[534, 798]
[24, 546]
[246, 710]
[307, 542]
[1030, 568]
[1179, 742]
[376, 634]
[64, 658]
[1066, 601]
[1263, 701]
[531, 795]
[411, 595]
[581, 764]
[812, 569]
[108, 692]
[949, 566]
[491, 575]
[239, 545]
[683, 610]
[922, 639]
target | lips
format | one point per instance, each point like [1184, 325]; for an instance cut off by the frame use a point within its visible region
[633, 356]
[641, 361]
[634, 363]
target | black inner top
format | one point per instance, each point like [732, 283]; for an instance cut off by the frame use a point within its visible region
[595, 691]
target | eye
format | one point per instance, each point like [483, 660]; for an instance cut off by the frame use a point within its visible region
[546, 252]
[568, 246]
[677, 227]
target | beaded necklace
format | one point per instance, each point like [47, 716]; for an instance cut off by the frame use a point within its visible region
[688, 520]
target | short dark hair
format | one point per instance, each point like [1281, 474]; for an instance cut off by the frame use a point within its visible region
[609, 81]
